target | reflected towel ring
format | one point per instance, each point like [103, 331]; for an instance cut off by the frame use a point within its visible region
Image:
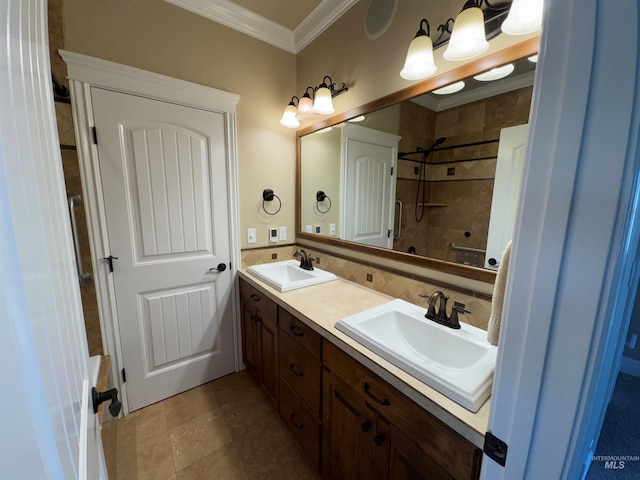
[321, 197]
[268, 196]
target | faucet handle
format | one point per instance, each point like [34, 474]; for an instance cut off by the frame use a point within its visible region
[457, 309]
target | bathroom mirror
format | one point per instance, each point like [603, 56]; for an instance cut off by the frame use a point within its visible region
[427, 199]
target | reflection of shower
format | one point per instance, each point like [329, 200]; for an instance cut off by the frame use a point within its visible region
[422, 179]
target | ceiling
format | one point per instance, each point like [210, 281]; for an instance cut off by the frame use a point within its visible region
[287, 24]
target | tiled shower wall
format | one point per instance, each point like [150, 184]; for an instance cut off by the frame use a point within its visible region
[72, 174]
[459, 202]
[393, 283]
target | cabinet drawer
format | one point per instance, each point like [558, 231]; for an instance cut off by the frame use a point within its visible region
[257, 302]
[301, 371]
[451, 451]
[304, 426]
[300, 332]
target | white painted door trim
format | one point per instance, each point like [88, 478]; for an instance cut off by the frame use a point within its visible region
[85, 72]
[571, 276]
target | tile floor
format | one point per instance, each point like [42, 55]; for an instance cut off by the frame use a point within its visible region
[222, 430]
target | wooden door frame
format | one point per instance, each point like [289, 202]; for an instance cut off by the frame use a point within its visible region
[85, 72]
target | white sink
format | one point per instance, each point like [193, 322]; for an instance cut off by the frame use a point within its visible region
[287, 275]
[457, 363]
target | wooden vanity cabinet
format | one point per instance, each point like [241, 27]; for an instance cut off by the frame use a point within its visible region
[300, 369]
[401, 440]
[260, 338]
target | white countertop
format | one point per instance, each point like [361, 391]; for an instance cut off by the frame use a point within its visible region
[321, 306]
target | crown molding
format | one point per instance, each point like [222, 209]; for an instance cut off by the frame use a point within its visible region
[491, 89]
[319, 20]
[250, 23]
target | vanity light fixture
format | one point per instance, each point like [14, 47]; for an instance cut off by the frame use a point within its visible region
[495, 73]
[533, 58]
[419, 63]
[525, 16]
[468, 38]
[358, 119]
[289, 118]
[322, 103]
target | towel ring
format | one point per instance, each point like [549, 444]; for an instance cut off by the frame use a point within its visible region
[268, 196]
[321, 197]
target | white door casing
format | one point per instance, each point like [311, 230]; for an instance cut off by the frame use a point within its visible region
[49, 428]
[87, 72]
[368, 187]
[163, 171]
[512, 153]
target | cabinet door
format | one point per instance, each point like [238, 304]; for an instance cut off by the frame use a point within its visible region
[251, 341]
[269, 358]
[405, 461]
[348, 432]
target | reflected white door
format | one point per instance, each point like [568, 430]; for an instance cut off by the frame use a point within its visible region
[164, 177]
[368, 186]
[512, 154]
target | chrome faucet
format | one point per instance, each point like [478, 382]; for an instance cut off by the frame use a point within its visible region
[305, 261]
[441, 316]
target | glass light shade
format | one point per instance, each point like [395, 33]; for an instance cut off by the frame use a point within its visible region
[525, 16]
[468, 39]
[305, 108]
[533, 58]
[419, 64]
[449, 89]
[495, 73]
[323, 104]
[357, 119]
[289, 119]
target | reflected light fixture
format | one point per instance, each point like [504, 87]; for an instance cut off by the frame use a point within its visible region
[419, 63]
[468, 39]
[449, 89]
[525, 16]
[533, 58]
[495, 73]
[358, 119]
[322, 104]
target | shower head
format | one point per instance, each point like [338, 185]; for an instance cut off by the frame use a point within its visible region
[438, 142]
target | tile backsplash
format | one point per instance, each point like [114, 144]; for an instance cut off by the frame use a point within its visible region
[393, 283]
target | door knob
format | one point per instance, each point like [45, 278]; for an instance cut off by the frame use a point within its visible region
[101, 397]
[220, 268]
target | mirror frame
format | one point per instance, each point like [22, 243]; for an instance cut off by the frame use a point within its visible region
[510, 54]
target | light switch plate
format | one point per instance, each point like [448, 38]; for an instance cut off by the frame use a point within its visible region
[283, 233]
[308, 228]
[332, 229]
[251, 235]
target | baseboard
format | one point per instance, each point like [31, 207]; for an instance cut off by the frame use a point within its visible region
[630, 366]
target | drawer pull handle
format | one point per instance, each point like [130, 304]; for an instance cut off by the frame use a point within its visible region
[297, 331]
[254, 297]
[299, 426]
[384, 403]
[256, 318]
[292, 367]
[366, 426]
[378, 439]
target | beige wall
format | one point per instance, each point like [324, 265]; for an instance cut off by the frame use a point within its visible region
[159, 37]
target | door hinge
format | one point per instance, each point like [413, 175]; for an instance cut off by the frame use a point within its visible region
[94, 133]
[495, 448]
[124, 376]
[391, 170]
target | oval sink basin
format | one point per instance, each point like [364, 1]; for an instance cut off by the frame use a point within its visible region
[457, 363]
[287, 275]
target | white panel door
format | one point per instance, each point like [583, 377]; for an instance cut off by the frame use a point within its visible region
[512, 153]
[164, 177]
[369, 194]
[48, 426]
